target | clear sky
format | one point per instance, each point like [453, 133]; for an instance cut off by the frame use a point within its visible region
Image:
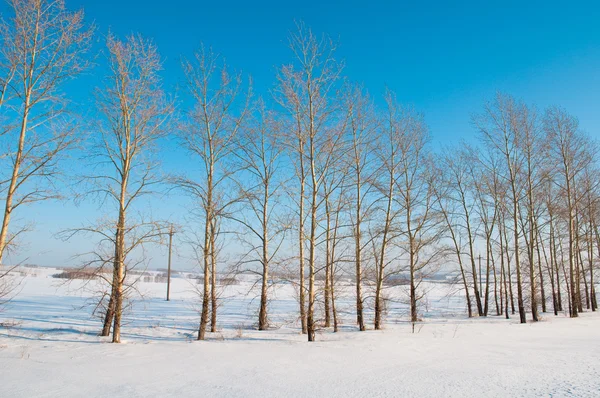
[444, 58]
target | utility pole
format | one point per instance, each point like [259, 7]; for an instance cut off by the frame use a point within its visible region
[171, 232]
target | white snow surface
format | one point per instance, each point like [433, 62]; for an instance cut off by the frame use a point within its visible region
[49, 348]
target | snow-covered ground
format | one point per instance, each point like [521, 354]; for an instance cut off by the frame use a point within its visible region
[49, 348]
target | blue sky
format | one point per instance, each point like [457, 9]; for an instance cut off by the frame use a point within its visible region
[444, 58]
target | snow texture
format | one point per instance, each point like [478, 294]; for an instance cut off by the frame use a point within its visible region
[49, 348]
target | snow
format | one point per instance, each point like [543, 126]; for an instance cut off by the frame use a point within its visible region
[49, 348]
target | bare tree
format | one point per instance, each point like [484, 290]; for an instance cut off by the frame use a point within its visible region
[210, 134]
[387, 152]
[305, 90]
[334, 252]
[501, 128]
[506, 277]
[533, 155]
[486, 187]
[334, 195]
[550, 205]
[419, 222]
[570, 150]
[8, 66]
[591, 195]
[136, 111]
[459, 170]
[134, 114]
[43, 46]
[451, 196]
[362, 128]
[260, 183]
[288, 95]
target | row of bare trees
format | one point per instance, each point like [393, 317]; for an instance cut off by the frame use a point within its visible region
[319, 179]
[527, 198]
[364, 193]
[368, 184]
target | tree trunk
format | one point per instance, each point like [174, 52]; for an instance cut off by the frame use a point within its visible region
[327, 294]
[593, 290]
[530, 250]
[213, 274]
[120, 269]
[550, 268]
[358, 254]
[520, 302]
[310, 321]
[554, 250]
[263, 322]
[413, 289]
[585, 284]
[578, 264]
[301, 292]
[487, 277]
[10, 192]
[118, 306]
[498, 311]
[110, 308]
[504, 284]
[508, 277]
[110, 312]
[572, 271]
[332, 273]
[333, 309]
[473, 267]
[381, 270]
[542, 290]
[206, 279]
